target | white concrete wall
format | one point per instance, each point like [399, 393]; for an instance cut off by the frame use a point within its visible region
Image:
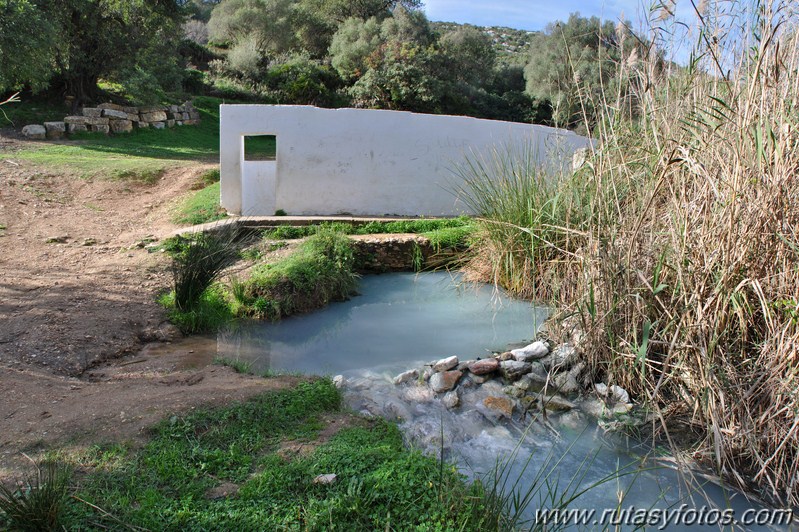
[364, 162]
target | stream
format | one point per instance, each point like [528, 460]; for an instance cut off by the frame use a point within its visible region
[402, 321]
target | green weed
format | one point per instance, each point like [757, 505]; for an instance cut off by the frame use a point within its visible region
[39, 504]
[202, 207]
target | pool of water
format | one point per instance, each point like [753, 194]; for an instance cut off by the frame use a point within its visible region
[398, 319]
[401, 321]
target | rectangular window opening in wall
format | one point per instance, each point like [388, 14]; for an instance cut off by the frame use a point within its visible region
[260, 147]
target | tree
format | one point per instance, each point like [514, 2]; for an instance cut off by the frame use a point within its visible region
[569, 65]
[266, 24]
[469, 54]
[27, 46]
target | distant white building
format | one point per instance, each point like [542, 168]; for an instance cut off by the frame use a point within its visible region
[364, 162]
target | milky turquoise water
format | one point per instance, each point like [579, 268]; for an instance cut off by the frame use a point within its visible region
[401, 321]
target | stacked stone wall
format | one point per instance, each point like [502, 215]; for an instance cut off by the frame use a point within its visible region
[112, 118]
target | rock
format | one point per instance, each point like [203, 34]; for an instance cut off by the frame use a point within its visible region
[531, 382]
[617, 394]
[513, 369]
[61, 239]
[451, 399]
[445, 364]
[531, 352]
[76, 128]
[501, 405]
[157, 125]
[130, 110]
[133, 117]
[406, 376]
[96, 121]
[92, 112]
[426, 374]
[89, 242]
[339, 381]
[563, 356]
[100, 128]
[75, 120]
[566, 383]
[485, 366]
[572, 420]
[556, 403]
[143, 125]
[121, 126]
[34, 131]
[480, 379]
[507, 355]
[155, 116]
[170, 123]
[114, 113]
[393, 409]
[417, 394]
[445, 380]
[513, 391]
[151, 109]
[325, 480]
[109, 106]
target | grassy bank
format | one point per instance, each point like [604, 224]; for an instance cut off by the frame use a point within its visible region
[675, 247]
[142, 154]
[252, 465]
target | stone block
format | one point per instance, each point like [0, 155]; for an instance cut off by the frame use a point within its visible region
[142, 125]
[34, 131]
[154, 116]
[76, 128]
[100, 128]
[173, 108]
[114, 113]
[158, 125]
[55, 130]
[130, 110]
[170, 123]
[133, 117]
[121, 126]
[75, 120]
[92, 112]
[190, 122]
[178, 122]
[92, 121]
[111, 106]
[151, 109]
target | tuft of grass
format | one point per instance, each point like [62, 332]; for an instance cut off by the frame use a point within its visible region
[40, 503]
[210, 313]
[319, 272]
[201, 207]
[424, 226]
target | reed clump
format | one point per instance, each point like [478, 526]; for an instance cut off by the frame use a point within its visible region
[676, 244]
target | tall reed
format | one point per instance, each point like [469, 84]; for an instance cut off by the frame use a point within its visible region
[676, 244]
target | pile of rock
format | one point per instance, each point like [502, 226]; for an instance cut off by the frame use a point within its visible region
[113, 118]
[533, 377]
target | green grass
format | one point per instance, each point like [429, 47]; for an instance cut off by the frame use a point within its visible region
[201, 207]
[380, 485]
[141, 154]
[319, 272]
[423, 226]
[22, 113]
[211, 313]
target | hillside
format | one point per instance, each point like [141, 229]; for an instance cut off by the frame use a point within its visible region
[512, 45]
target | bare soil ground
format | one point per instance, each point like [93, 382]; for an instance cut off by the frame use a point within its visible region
[77, 305]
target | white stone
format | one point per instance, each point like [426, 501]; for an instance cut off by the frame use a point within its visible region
[446, 364]
[616, 394]
[325, 480]
[339, 381]
[406, 376]
[531, 352]
[365, 161]
[113, 113]
[34, 131]
[451, 399]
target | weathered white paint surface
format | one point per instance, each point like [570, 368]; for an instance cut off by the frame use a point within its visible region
[364, 162]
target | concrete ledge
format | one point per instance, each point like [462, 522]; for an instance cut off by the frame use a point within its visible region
[263, 222]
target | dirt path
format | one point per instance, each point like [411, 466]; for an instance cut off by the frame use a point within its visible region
[77, 305]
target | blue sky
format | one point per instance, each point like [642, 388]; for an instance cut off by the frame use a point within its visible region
[526, 14]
